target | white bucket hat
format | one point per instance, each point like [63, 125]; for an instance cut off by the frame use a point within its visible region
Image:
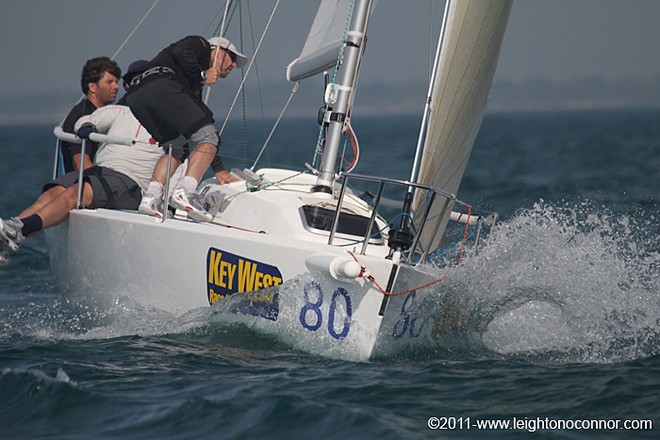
[241, 60]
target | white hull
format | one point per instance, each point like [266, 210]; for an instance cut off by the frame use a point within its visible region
[303, 290]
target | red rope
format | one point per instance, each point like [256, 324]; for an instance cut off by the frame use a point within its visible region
[385, 292]
[351, 138]
[452, 228]
[403, 292]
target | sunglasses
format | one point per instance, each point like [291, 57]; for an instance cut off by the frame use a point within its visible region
[231, 54]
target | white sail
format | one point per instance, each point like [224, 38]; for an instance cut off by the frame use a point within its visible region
[323, 42]
[468, 59]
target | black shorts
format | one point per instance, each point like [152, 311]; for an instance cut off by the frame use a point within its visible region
[167, 110]
[112, 190]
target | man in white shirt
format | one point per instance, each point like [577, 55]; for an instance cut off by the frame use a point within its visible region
[115, 181]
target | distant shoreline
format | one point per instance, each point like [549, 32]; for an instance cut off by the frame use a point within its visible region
[533, 94]
[416, 117]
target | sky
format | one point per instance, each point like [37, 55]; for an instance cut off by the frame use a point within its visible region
[44, 43]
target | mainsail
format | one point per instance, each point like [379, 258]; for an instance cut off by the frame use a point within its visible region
[323, 42]
[468, 58]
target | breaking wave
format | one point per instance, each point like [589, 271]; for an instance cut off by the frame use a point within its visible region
[571, 284]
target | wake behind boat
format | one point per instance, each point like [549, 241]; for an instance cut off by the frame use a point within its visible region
[316, 254]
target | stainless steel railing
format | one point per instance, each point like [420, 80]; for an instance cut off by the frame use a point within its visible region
[419, 225]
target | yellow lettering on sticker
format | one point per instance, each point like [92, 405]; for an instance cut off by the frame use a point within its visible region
[246, 275]
[214, 263]
[224, 266]
[258, 282]
[215, 297]
[232, 273]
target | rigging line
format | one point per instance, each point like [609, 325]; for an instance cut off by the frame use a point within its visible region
[243, 106]
[234, 6]
[263, 186]
[135, 29]
[256, 70]
[240, 87]
[352, 138]
[121, 47]
[212, 23]
[421, 139]
[430, 66]
[293, 92]
[220, 28]
[223, 23]
[365, 273]
[404, 292]
[207, 93]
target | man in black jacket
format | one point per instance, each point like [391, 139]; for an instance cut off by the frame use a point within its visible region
[166, 98]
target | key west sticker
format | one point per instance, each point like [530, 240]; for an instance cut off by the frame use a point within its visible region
[227, 274]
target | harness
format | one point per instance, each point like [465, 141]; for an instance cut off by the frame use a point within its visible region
[158, 70]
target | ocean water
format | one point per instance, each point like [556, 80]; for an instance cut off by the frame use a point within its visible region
[560, 336]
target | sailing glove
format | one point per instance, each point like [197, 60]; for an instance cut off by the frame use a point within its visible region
[85, 130]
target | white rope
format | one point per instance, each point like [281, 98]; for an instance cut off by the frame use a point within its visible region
[135, 29]
[121, 47]
[215, 59]
[293, 92]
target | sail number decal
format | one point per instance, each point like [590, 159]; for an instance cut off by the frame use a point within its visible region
[228, 273]
[407, 325]
[311, 315]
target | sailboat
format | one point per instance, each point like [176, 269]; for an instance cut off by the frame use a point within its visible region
[305, 255]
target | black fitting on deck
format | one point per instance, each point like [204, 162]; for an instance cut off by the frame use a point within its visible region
[400, 239]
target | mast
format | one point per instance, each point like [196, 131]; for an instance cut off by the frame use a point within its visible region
[338, 93]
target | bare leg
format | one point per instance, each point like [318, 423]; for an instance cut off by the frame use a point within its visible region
[43, 200]
[160, 171]
[58, 209]
[200, 159]
[184, 197]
